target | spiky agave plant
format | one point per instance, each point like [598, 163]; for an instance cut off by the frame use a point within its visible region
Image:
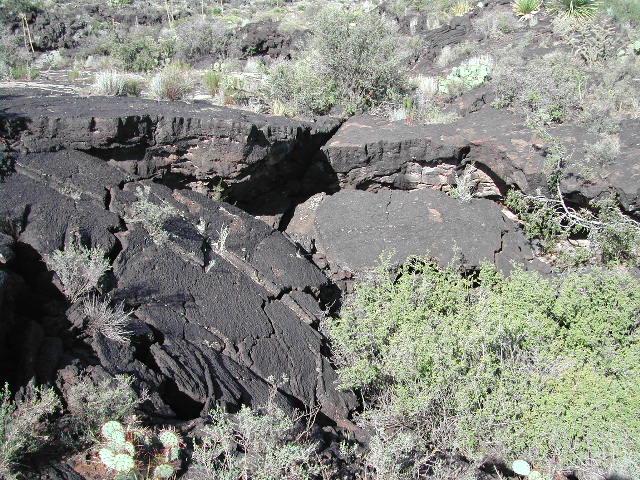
[576, 8]
[526, 7]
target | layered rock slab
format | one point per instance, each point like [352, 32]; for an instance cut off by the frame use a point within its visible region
[217, 320]
[258, 158]
[352, 229]
[372, 153]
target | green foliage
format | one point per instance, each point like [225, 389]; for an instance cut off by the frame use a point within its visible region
[551, 88]
[212, 80]
[613, 237]
[543, 369]
[467, 75]
[136, 453]
[526, 7]
[92, 405]
[353, 59]
[576, 8]
[22, 427]
[141, 53]
[296, 87]
[623, 10]
[257, 445]
[151, 215]
[540, 219]
[79, 269]
[11, 10]
[114, 83]
[171, 83]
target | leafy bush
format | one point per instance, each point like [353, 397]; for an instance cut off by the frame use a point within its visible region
[141, 53]
[623, 10]
[255, 444]
[21, 426]
[118, 84]
[79, 269]
[171, 83]
[353, 59]
[524, 367]
[203, 37]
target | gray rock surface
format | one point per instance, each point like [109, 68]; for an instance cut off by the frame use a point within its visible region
[352, 229]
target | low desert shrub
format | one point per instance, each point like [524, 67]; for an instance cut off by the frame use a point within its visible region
[524, 367]
[204, 37]
[141, 53]
[623, 10]
[613, 237]
[114, 83]
[91, 404]
[576, 8]
[526, 7]
[469, 74]
[354, 59]
[171, 83]
[22, 426]
[151, 215]
[256, 444]
[79, 269]
[550, 89]
[110, 321]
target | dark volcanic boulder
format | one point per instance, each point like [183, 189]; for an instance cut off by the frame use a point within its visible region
[223, 303]
[352, 228]
[198, 145]
[372, 153]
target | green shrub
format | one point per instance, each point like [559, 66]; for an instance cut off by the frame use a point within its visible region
[22, 427]
[576, 8]
[469, 74]
[212, 80]
[171, 83]
[141, 53]
[526, 7]
[623, 10]
[551, 88]
[113, 83]
[79, 269]
[92, 404]
[254, 444]
[354, 59]
[204, 37]
[524, 367]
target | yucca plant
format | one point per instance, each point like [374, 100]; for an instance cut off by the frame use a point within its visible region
[526, 7]
[576, 8]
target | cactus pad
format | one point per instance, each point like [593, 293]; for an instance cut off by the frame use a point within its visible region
[123, 462]
[114, 432]
[163, 470]
[106, 456]
[169, 438]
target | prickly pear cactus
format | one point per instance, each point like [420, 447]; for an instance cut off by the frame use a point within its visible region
[163, 470]
[120, 462]
[123, 462]
[169, 438]
[114, 432]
